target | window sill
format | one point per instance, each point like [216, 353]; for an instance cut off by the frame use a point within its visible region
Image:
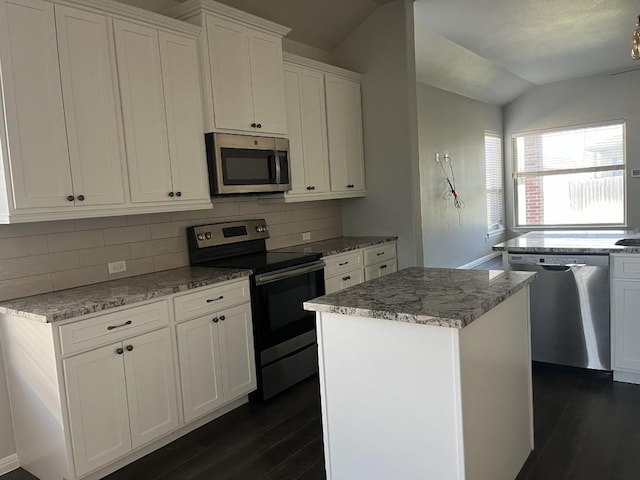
[495, 233]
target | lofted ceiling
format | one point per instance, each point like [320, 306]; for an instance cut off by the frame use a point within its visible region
[490, 50]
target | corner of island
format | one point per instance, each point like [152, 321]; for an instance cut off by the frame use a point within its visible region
[426, 373]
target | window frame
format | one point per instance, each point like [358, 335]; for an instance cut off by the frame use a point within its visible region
[500, 227]
[515, 176]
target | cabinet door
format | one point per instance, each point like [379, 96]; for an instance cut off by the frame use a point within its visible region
[293, 100]
[625, 323]
[143, 109]
[236, 350]
[151, 388]
[267, 84]
[185, 126]
[344, 125]
[200, 372]
[86, 65]
[230, 74]
[97, 402]
[314, 131]
[32, 95]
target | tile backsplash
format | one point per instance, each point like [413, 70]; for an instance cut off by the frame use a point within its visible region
[47, 256]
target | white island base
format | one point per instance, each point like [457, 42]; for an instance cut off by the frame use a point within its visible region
[411, 401]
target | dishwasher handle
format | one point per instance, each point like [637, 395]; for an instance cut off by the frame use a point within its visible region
[557, 267]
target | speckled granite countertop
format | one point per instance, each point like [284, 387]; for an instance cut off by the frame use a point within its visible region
[334, 246]
[74, 302]
[430, 296]
[587, 241]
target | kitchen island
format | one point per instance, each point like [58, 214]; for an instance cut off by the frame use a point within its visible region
[425, 373]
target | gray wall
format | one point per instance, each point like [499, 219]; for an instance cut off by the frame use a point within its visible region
[7, 445]
[586, 100]
[450, 123]
[382, 49]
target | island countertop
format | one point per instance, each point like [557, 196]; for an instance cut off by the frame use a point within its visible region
[75, 302]
[430, 296]
[574, 241]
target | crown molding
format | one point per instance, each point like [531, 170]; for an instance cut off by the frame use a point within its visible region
[128, 12]
[193, 7]
[323, 67]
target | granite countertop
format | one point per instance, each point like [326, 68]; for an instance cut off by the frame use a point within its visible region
[431, 296]
[574, 241]
[334, 246]
[74, 302]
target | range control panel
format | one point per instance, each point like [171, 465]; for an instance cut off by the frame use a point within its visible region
[216, 234]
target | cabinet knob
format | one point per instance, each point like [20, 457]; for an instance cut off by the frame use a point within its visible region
[129, 348]
[71, 198]
[215, 319]
[81, 198]
[350, 185]
[309, 188]
[348, 277]
[259, 125]
[119, 351]
[171, 194]
[222, 318]
[254, 125]
[178, 194]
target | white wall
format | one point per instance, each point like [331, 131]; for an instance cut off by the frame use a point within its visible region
[7, 445]
[382, 49]
[574, 102]
[450, 123]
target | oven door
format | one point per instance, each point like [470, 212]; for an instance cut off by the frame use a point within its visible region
[277, 299]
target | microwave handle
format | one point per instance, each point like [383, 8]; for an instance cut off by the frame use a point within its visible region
[278, 160]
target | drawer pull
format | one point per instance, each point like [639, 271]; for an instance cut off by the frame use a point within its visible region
[382, 266]
[113, 327]
[378, 254]
[343, 264]
[119, 351]
[209, 300]
[348, 277]
[129, 348]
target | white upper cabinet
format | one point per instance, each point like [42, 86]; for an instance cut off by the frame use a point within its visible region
[36, 137]
[242, 63]
[344, 120]
[87, 69]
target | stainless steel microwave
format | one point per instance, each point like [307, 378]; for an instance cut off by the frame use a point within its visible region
[247, 164]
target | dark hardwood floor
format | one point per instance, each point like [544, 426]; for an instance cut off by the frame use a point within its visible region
[586, 427]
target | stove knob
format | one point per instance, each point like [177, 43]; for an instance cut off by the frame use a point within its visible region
[259, 229]
[200, 236]
[207, 235]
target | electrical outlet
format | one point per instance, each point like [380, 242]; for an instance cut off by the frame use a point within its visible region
[118, 267]
[306, 235]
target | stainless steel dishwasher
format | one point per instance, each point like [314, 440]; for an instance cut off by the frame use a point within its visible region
[570, 299]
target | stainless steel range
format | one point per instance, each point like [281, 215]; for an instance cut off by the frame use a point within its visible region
[284, 333]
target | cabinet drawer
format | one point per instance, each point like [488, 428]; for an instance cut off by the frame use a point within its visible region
[344, 280]
[379, 253]
[209, 300]
[338, 264]
[113, 326]
[625, 266]
[380, 269]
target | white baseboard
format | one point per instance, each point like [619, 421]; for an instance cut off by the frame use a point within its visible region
[8, 464]
[480, 260]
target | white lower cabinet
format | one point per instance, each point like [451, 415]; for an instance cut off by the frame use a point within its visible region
[216, 359]
[625, 319]
[120, 397]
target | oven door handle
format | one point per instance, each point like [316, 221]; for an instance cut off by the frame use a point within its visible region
[271, 277]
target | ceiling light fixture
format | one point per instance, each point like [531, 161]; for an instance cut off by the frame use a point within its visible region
[635, 42]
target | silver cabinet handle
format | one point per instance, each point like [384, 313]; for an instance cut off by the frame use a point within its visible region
[112, 327]
[209, 300]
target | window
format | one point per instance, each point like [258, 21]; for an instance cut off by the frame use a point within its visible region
[570, 177]
[495, 193]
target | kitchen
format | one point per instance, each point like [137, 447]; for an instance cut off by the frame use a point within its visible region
[378, 49]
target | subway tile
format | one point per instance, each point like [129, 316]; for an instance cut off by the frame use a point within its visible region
[25, 286]
[190, 215]
[50, 262]
[179, 244]
[138, 266]
[102, 255]
[39, 228]
[62, 242]
[168, 230]
[8, 268]
[35, 245]
[224, 210]
[148, 218]
[100, 223]
[138, 233]
[151, 248]
[174, 260]
[8, 248]
[79, 277]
